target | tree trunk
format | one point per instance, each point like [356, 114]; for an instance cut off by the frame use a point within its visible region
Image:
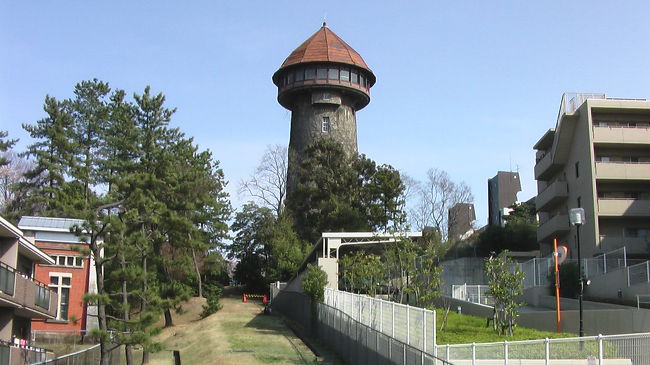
[128, 352]
[168, 318]
[143, 306]
[101, 307]
[198, 272]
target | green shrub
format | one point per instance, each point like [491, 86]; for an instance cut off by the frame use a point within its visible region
[213, 293]
[313, 283]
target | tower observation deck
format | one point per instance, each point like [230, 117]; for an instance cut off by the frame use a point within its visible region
[324, 82]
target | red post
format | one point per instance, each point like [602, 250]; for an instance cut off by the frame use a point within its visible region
[244, 298]
[557, 286]
[264, 299]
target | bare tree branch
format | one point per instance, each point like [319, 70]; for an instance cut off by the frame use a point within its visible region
[268, 184]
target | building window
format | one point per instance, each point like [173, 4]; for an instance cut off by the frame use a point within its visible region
[579, 202]
[69, 261]
[310, 74]
[326, 125]
[60, 283]
[354, 77]
[577, 169]
[299, 75]
[321, 73]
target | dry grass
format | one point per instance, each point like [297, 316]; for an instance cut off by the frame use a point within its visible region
[237, 334]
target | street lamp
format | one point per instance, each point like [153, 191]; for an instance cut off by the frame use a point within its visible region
[577, 218]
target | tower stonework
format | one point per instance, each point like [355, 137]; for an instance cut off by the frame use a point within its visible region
[324, 82]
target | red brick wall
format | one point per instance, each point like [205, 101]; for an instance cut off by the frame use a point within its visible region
[78, 283]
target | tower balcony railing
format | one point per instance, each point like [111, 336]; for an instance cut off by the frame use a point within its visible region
[623, 207]
[553, 227]
[622, 134]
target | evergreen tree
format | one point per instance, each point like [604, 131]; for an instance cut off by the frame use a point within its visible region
[5, 145]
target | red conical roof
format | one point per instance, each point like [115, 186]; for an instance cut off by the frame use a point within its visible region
[325, 46]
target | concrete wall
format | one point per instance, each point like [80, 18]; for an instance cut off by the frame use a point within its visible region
[331, 267]
[601, 321]
[607, 286]
[465, 270]
[472, 309]
[6, 323]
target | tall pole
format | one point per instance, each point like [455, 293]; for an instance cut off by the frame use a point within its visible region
[582, 330]
[577, 218]
[557, 286]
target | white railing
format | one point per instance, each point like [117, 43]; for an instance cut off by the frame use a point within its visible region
[472, 293]
[538, 271]
[638, 274]
[413, 326]
[614, 349]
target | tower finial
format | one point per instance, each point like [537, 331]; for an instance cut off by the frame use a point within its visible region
[325, 20]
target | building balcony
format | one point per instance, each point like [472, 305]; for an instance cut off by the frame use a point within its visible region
[633, 245]
[621, 135]
[554, 194]
[545, 167]
[29, 297]
[622, 171]
[615, 207]
[554, 227]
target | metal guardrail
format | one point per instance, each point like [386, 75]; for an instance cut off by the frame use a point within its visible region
[472, 293]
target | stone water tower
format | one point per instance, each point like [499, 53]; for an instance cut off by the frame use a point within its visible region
[324, 82]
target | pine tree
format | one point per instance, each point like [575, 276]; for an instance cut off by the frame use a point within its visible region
[5, 145]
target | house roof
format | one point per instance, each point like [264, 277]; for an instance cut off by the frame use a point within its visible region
[48, 223]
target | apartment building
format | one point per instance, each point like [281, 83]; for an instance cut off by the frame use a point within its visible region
[22, 298]
[460, 222]
[502, 193]
[598, 158]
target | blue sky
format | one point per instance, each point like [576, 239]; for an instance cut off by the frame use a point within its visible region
[464, 86]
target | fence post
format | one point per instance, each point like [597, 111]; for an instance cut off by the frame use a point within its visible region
[392, 322]
[404, 353]
[424, 330]
[473, 353]
[627, 270]
[600, 349]
[505, 352]
[408, 325]
[647, 270]
[547, 357]
[381, 316]
[447, 353]
[624, 257]
[605, 263]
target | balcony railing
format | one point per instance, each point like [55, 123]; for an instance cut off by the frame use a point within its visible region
[553, 194]
[622, 170]
[622, 135]
[622, 207]
[23, 291]
[553, 227]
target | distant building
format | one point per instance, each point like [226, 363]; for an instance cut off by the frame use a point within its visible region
[598, 158]
[460, 222]
[71, 274]
[502, 193]
[22, 298]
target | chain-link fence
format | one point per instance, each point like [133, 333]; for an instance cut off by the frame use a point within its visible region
[414, 326]
[615, 349]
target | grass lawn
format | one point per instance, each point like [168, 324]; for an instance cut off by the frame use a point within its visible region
[468, 329]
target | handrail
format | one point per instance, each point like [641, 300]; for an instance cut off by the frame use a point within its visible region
[13, 270]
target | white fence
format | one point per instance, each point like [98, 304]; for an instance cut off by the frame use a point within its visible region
[639, 273]
[413, 326]
[601, 350]
[472, 293]
[537, 271]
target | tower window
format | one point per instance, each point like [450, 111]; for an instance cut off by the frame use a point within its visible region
[325, 126]
[345, 75]
[333, 74]
[299, 75]
[310, 74]
[321, 73]
[354, 77]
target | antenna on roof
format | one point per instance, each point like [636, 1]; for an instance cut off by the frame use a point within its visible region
[325, 20]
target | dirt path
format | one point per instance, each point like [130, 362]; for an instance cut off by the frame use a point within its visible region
[237, 334]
